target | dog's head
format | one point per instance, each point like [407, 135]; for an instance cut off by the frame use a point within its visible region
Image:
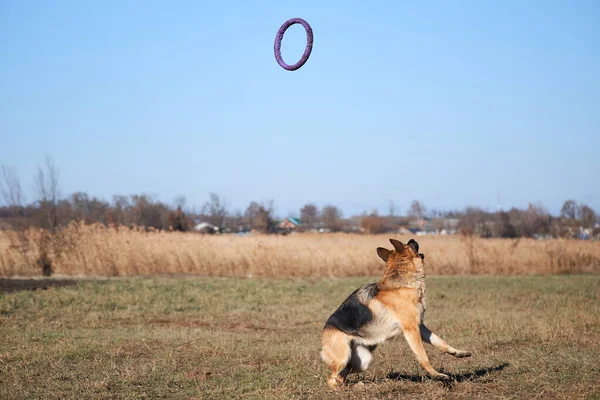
[404, 256]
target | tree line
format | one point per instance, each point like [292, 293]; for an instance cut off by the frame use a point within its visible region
[50, 211]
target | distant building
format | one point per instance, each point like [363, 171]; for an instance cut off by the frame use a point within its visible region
[289, 224]
[403, 231]
[434, 226]
[205, 227]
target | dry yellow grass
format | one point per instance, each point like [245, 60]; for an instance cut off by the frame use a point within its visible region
[95, 250]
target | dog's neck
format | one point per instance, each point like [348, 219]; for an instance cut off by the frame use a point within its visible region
[405, 275]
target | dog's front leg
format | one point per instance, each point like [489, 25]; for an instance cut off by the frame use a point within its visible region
[435, 340]
[413, 337]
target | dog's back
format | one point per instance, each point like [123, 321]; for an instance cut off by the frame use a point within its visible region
[354, 314]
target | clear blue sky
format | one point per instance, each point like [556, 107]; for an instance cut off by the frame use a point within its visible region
[451, 103]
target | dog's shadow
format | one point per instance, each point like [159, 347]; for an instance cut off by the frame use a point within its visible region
[469, 376]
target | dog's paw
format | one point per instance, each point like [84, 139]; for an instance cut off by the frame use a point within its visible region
[333, 384]
[441, 377]
[462, 354]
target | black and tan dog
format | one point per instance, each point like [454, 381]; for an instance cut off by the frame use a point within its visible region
[379, 311]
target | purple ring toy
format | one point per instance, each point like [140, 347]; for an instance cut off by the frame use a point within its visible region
[307, 50]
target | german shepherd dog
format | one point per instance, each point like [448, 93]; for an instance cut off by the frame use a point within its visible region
[379, 311]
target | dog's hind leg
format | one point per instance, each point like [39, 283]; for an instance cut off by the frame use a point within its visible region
[435, 340]
[416, 345]
[336, 353]
[360, 359]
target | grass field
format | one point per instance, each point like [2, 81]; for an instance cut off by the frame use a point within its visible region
[224, 338]
[96, 250]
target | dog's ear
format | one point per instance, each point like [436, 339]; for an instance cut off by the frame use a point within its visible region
[383, 253]
[398, 245]
[422, 256]
[414, 245]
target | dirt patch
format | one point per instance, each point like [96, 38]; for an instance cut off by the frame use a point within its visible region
[15, 285]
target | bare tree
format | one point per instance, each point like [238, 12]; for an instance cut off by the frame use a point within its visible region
[48, 190]
[435, 213]
[373, 223]
[12, 194]
[536, 219]
[180, 202]
[588, 216]
[309, 215]
[119, 212]
[472, 222]
[10, 189]
[393, 210]
[259, 216]
[178, 220]
[332, 218]
[83, 208]
[146, 211]
[236, 221]
[417, 210]
[264, 219]
[251, 214]
[504, 228]
[46, 181]
[570, 210]
[216, 209]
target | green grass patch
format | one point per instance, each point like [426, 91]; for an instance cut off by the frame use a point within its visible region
[219, 338]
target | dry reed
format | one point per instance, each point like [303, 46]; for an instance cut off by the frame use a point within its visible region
[96, 250]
